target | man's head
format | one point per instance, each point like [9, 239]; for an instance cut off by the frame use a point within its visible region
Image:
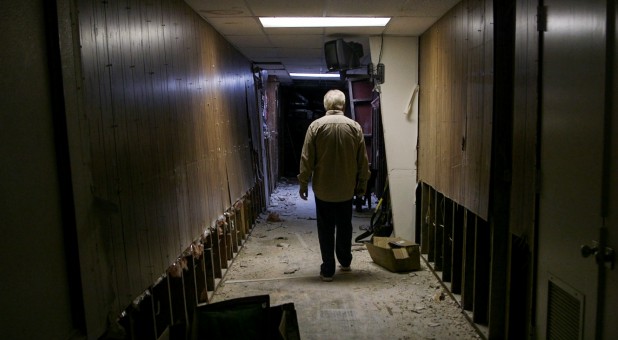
[334, 100]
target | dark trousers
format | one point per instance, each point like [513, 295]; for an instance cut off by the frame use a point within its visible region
[334, 216]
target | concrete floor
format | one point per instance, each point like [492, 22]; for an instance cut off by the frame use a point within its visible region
[282, 259]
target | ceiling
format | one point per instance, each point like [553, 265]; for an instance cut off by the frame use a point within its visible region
[285, 50]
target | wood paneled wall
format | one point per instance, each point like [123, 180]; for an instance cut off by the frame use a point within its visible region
[455, 105]
[470, 139]
[165, 141]
[272, 142]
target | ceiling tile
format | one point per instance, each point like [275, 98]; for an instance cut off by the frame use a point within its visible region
[296, 40]
[302, 49]
[277, 8]
[343, 32]
[369, 8]
[236, 25]
[209, 8]
[250, 41]
[259, 53]
[410, 26]
[422, 8]
[302, 52]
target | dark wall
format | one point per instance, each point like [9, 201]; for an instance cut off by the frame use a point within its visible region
[301, 104]
[524, 166]
[35, 285]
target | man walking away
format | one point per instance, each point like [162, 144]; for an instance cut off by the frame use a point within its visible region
[335, 159]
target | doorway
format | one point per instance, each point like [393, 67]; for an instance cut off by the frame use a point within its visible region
[577, 200]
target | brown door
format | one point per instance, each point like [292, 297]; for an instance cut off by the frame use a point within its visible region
[578, 202]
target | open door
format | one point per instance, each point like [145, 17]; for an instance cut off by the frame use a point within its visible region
[578, 201]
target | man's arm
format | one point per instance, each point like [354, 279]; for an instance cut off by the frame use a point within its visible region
[363, 167]
[307, 162]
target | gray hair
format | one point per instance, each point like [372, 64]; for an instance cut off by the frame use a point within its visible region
[334, 100]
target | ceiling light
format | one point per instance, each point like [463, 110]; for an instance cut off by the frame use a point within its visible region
[322, 21]
[314, 75]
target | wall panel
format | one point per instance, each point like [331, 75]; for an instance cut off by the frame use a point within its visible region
[456, 78]
[168, 143]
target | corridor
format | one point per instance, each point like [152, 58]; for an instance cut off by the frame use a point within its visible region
[281, 258]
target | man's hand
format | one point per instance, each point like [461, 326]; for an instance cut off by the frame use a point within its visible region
[359, 191]
[303, 193]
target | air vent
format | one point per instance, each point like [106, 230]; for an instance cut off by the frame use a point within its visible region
[564, 311]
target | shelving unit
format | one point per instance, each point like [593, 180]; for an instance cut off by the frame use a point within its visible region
[361, 95]
[365, 109]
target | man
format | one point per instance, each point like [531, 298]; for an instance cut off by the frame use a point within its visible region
[335, 159]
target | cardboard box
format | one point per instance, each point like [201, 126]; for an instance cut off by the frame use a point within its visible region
[395, 253]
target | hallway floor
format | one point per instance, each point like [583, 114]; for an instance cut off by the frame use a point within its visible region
[281, 258]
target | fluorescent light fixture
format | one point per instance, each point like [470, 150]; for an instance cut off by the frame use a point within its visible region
[323, 21]
[314, 75]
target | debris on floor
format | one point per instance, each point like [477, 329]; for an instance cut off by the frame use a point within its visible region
[368, 302]
[291, 270]
[273, 217]
[439, 296]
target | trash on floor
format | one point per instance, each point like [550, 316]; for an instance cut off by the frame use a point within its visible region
[249, 317]
[273, 217]
[395, 253]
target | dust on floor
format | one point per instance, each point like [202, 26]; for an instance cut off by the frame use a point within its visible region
[281, 258]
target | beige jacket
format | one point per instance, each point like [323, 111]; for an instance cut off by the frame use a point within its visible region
[334, 153]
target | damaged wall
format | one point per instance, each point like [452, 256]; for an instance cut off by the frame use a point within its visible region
[272, 142]
[456, 101]
[160, 140]
[465, 156]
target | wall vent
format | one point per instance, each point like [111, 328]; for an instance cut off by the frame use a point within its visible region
[565, 311]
